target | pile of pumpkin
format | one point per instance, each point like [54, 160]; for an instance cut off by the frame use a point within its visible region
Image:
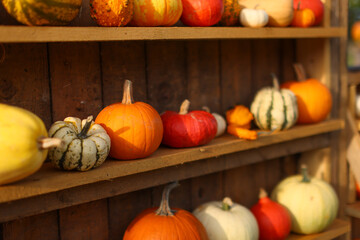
[298, 203]
[196, 13]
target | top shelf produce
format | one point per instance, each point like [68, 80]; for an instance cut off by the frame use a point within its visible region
[23, 34]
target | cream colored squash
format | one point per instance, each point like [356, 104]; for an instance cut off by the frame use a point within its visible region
[253, 17]
[227, 220]
[312, 203]
[280, 11]
[220, 121]
[86, 144]
[23, 143]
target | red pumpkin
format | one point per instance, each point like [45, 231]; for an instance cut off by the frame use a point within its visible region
[164, 223]
[315, 5]
[273, 219]
[188, 129]
[202, 13]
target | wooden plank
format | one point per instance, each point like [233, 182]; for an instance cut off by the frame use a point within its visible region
[24, 80]
[338, 228]
[87, 221]
[353, 210]
[75, 80]
[49, 179]
[124, 208]
[42, 226]
[72, 34]
[116, 186]
[355, 230]
[353, 149]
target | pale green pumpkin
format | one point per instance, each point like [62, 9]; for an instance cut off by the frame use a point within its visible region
[312, 202]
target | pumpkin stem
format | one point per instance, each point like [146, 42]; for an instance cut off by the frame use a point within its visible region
[46, 143]
[304, 173]
[298, 6]
[164, 209]
[128, 93]
[300, 72]
[275, 81]
[227, 203]
[83, 133]
[262, 193]
[206, 109]
[184, 108]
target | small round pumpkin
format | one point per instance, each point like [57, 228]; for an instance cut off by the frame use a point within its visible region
[254, 18]
[188, 129]
[135, 128]
[317, 6]
[111, 13]
[49, 12]
[273, 108]
[303, 18]
[165, 223]
[86, 144]
[227, 220]
[311, 202]
[273, 219]
[313, 97]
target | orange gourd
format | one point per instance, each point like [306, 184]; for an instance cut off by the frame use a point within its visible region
[313, 97]
[231, 14]
[165, 223]
[135, 128]
[110, 13]
[303, 18]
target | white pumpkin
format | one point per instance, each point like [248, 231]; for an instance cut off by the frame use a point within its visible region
[254, 18]
[227, 220]
[220, 122]
[274, 108]
[312, 202]
[86, 144]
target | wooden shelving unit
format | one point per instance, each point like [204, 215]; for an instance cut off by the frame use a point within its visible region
[13, 34]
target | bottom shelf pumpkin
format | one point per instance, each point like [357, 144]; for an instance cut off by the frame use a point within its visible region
[312, 202]
[227, 220]
[165, 223]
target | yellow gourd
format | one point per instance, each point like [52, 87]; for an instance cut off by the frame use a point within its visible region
[23, 143]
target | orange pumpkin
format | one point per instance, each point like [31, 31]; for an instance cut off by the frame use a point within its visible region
[164, 223]
[303, 18]
[111, 13]
[135, 129]
[314, 98]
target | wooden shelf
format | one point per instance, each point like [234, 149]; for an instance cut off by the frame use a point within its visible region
[50, 189]
[353, 210]
[12, 34]
[338, 228]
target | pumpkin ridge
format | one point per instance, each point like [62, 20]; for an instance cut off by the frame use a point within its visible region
[25, 10]
[268, 113]
[62, 159]
[144, 129]
[79, 164]
[48, 16]
[285, 112]
[11, 5]
[52, 135]
[60, 4]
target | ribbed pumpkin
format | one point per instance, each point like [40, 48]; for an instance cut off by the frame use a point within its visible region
[280, 11]
[202, 13]
[273, 108]
[230, 16]
[313, 97]
[23, 143]
[188, 129]
[86, 144]
[273, 219]
[312, 203]
[227, 220]
[43, 12]
[152, 13]
[111, 13]
[165, 223]
[135, 128]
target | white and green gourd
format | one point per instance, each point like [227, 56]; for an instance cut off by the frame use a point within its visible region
[312, 202]
[227, 220]
[86, 144]
[274, 108]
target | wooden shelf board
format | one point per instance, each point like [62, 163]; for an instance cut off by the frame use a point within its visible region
[12, 34]
[353, 210]
[338, 228]
[50, 189]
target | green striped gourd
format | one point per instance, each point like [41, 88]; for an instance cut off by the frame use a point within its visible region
[86, 144]
[273, 108]
[43, 12]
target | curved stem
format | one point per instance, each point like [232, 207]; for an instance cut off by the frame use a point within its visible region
[83, 133]
[206, 109]
[262, 193]
[275, 81]
[184, 108]
[227, 204]
[46, 143]
[128, 93]
[304, 173]
[300, 72]
[164, 209]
